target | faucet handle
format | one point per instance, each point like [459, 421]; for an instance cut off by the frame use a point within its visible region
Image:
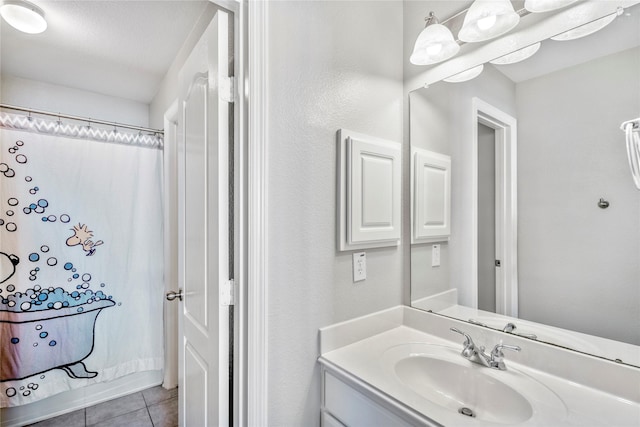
[497, 350]
[467, 337]
[469, 346]
[497, 356]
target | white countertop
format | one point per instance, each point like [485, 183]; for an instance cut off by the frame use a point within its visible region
[357, 348]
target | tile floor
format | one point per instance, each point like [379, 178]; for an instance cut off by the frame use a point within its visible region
[154, 407]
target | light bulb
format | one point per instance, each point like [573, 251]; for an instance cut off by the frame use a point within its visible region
[517, 56]
[434, 44]
[469, 74]
[487, 19]
[586, 29]
[538, 6]
[434, 49]
[487, 22]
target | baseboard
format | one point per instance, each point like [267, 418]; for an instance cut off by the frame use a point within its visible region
[73, 400]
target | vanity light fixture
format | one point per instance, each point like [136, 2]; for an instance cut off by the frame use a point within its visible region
[466, 75]
[487, 19]
[23, 16]
[539, 6]
[589, 28]
[434, 44]
[518, 55]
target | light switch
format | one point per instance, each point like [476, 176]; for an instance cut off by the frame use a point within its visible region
[435, 256]
[359, 266]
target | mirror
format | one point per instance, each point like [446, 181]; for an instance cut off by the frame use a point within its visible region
[544, 216]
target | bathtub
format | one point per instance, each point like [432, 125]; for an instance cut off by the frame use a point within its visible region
[34, 342]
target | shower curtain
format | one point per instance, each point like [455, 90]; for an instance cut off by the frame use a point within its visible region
[81, 258]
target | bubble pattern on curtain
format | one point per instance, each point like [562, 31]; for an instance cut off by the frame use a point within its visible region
[81, 263]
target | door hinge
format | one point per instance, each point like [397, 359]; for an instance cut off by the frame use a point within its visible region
[228, 293]
[227, 89]
[498, 263]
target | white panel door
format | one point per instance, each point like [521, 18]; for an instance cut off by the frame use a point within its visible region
[203, 198]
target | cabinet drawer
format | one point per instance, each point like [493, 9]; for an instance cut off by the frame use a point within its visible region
[354, 409]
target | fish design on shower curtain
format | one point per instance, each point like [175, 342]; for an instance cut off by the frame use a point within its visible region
[45, 326]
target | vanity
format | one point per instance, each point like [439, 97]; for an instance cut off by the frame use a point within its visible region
[524, 271]
[404, 367]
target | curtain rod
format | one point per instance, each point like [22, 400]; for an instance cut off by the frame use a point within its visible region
[82, 119]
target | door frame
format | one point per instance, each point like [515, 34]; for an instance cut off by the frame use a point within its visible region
[250, 330]
[251, 53]
[257, 279]
[505, 127]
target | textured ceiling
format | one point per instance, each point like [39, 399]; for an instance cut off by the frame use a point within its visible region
[121, 48]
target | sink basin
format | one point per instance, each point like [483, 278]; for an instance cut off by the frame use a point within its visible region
[442, 376]
[463, 389]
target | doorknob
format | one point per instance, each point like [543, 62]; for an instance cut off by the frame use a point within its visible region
[171, 295]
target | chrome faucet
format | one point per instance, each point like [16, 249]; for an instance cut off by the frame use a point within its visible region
[475, 354]
[511, 327]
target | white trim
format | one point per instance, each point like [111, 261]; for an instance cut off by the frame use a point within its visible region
[506, 205]
[239, 9]
[170, 160]
[257, 265]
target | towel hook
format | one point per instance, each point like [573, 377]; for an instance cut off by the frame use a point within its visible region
[602, 203]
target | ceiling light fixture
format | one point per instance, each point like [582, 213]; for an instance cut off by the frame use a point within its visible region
[539, 6]
[434, 44]
[466, 75]
[487, 19]
[23, 16]
[587, 29]
[517, 56]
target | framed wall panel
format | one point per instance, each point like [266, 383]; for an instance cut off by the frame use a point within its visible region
[369, 191]
[431, 201]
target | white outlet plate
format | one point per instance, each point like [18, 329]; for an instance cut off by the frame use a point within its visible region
[359, 266]
[435, 256]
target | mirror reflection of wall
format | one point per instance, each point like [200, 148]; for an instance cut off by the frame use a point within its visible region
[578, 264]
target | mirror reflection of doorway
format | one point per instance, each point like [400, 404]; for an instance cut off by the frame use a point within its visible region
[494, 219]
[486, 218]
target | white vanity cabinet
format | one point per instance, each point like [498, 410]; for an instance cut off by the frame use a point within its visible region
[401, 367]
[348, 402]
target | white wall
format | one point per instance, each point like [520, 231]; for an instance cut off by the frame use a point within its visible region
[578, 264]
[66, 100]
[332, 65]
